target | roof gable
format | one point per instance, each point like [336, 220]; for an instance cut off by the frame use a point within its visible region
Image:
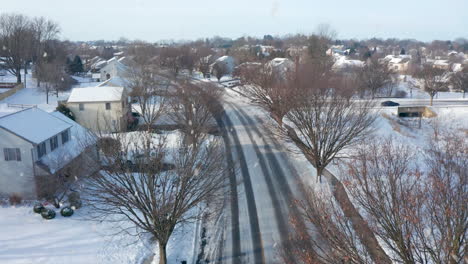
[33, 125]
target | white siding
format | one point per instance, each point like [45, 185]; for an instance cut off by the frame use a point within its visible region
[97, 118]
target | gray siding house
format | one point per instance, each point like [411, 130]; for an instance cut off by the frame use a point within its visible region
[35, 144]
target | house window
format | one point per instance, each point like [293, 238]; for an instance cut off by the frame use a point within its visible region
[53, 143]
[12, 154]
[108, 106]
[81, 107]
[65, 137]
[41, 149]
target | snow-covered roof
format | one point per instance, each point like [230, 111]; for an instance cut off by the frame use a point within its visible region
[457, 67]
[342, 62]
[96, 94]
[33, 124]
[281, 64]
[116, 82]
[441, 62]
[79, 140]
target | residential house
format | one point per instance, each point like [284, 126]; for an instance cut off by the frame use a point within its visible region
[442, 64]
[398, 63]
[36, 146]
[227, 61]
[114, 68]
[100, 108]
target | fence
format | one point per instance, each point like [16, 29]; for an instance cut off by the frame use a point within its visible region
[10, 92]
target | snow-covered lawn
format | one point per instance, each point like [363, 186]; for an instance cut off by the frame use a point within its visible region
[31, 95]
[34, 95]
[27, 238]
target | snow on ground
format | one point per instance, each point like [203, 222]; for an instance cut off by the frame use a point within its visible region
[31, 95]
[27, 238]
[416, 93]
[34, 95]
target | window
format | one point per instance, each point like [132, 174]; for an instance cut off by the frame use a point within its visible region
[41, 149]
[53, 143]
[108, 106]
[81, 107]
[65, 136]
[12, 154]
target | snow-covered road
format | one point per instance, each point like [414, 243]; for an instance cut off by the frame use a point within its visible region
[266, 184]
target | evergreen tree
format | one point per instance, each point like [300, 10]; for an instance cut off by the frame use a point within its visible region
[77, 64]
[403, 51]
[65, 111]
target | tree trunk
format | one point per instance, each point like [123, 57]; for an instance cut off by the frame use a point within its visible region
[47, 93]
[18, 77]
[162, 253]
[319, 173]
[432, 99]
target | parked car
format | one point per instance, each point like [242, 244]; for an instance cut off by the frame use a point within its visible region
[389, 103]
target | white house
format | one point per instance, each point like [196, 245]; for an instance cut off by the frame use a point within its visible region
[36, 145]
[100, 108]
[227, 61]
[398, 63]
[114, 68]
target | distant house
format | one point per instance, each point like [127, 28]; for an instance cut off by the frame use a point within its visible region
[114, 68]
[281, 66]
[342, 63]
[227, 61]
[35, 146]
[100, 108]
[398, 63]
[441, 64]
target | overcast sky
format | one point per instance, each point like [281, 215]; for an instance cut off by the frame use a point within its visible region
[154, 20]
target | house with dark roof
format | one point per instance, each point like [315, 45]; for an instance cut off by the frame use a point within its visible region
[36, 146]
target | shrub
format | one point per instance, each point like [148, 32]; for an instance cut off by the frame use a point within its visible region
[38, 208]
[400, 94]
[48, 214]
[65, 111]
[66, 211]
[15, 199]
[75, 200]
[109, 146]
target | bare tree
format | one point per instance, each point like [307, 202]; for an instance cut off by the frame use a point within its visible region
[375, 76]
[324, 119]
[156, 201]
[15, 42]
[432, 80]
[206, 57]
[149, 88]
[334, 239]
[268, 88]
[459, 80]
[420, 217]
[445, 215]
[219, 69]
[22, 39]
[54, 77]
[190, 108]
[383, 183]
